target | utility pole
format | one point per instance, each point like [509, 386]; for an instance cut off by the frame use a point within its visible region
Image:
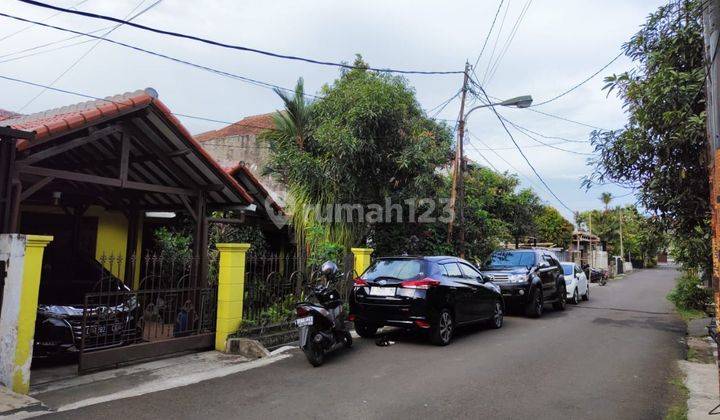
[622, 250]
[590, 254]
[711, 33]
[457, 195]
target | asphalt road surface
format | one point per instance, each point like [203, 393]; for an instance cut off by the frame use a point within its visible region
[609, 358]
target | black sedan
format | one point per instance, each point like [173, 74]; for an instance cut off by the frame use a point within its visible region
[436, 294]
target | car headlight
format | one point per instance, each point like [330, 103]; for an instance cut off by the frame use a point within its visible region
[517, 278]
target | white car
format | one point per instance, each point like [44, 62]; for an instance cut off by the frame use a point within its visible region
[576, 283]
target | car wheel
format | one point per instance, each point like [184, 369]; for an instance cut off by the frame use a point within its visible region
[498, 314]
[561, 299]
[442, 329]
[365, 330]
[586, 296]
[576, 297]
[534, 307]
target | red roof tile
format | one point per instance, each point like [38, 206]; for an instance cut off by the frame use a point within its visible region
[57, 121]
[252, 125]
[242, 168]
[5, 114]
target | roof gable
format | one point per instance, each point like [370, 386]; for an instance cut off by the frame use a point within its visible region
[248, 126]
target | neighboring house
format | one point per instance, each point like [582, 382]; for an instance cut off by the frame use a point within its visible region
[237, 144]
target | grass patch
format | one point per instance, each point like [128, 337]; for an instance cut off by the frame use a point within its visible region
[688, 314]
[679, 409]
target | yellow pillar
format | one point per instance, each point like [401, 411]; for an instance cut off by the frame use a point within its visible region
[362, 259]
[231, 285]
[32, 268]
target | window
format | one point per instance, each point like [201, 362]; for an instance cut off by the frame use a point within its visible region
[453, 270]
[403, 269]
[469, 272]
[511, 259]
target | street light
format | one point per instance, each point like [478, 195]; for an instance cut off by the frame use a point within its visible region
[518, 102]
[458, 188]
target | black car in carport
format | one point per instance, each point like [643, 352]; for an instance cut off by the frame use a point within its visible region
[528, 277]
[428, 293]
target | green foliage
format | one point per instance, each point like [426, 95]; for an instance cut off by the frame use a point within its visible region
[689, 294]
[173, 244]
[553, 227]
[366, 139]
[662, 150]
[643, 237]
[322, 250]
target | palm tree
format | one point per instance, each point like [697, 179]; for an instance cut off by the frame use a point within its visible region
[606, 198]
[294, 121]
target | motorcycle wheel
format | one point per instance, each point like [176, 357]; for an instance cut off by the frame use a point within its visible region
[347, 340]
[314, 354]
[603, 281]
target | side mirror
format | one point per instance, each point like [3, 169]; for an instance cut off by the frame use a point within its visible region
[544, 264]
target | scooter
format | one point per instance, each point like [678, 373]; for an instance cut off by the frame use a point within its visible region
[321, 319]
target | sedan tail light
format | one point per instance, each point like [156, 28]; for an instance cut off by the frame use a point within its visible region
[301, 311]
[359, 282]
[420, 284]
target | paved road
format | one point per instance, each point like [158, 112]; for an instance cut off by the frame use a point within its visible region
[607, 358]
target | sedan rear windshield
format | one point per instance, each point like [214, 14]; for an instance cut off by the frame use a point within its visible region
[511, 259]
[401, 269]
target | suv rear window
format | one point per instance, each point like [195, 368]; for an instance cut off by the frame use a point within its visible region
[402, 269]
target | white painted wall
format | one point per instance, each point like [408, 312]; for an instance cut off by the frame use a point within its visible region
[12, 251]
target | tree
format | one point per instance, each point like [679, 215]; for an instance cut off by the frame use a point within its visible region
[661, 151]
[365, 140]
[606, 198]
[553, 227]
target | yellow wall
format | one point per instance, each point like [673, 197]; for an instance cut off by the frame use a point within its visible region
[112, 237]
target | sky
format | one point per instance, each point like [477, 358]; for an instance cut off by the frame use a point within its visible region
[556, 45]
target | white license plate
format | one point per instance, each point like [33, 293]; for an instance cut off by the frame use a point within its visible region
[382, 291]
[303, 322]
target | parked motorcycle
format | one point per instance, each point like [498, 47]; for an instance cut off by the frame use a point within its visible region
[321, 319]
[596, 275]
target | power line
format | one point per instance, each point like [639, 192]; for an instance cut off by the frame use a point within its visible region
[472, 146]
[231, 46]
[509, 41]
[487, 37]
[552, 146]
[530, 181]
[96, 98]
[537, 174]
[497, 38]
[130, 17]
[157, 54]
[21, 30]
[581, 83]
[563, 139]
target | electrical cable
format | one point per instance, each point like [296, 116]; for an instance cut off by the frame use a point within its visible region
[487, 37]
[231, 46]
[130, 17]
[21, 30]
[554, 98]
[537, 174]
[509, 41]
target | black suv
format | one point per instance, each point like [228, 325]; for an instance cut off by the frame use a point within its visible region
[429, 293]
[528, 277]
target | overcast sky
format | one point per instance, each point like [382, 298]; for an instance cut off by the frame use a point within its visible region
[557, 44]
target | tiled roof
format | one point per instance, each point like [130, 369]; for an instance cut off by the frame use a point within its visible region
[5, 114]
[54, 123]
[252, 125]
[242, 168]
[57, 121]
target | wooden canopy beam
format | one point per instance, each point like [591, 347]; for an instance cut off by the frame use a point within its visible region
[101, 180]
[68, 145]
[35, 187]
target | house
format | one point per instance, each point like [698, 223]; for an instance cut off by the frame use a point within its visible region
[238, 144]
[91, 173]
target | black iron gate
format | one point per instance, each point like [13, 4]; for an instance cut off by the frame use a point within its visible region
[168, 314]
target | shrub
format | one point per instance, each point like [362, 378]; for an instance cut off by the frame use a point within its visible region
[689, 293]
